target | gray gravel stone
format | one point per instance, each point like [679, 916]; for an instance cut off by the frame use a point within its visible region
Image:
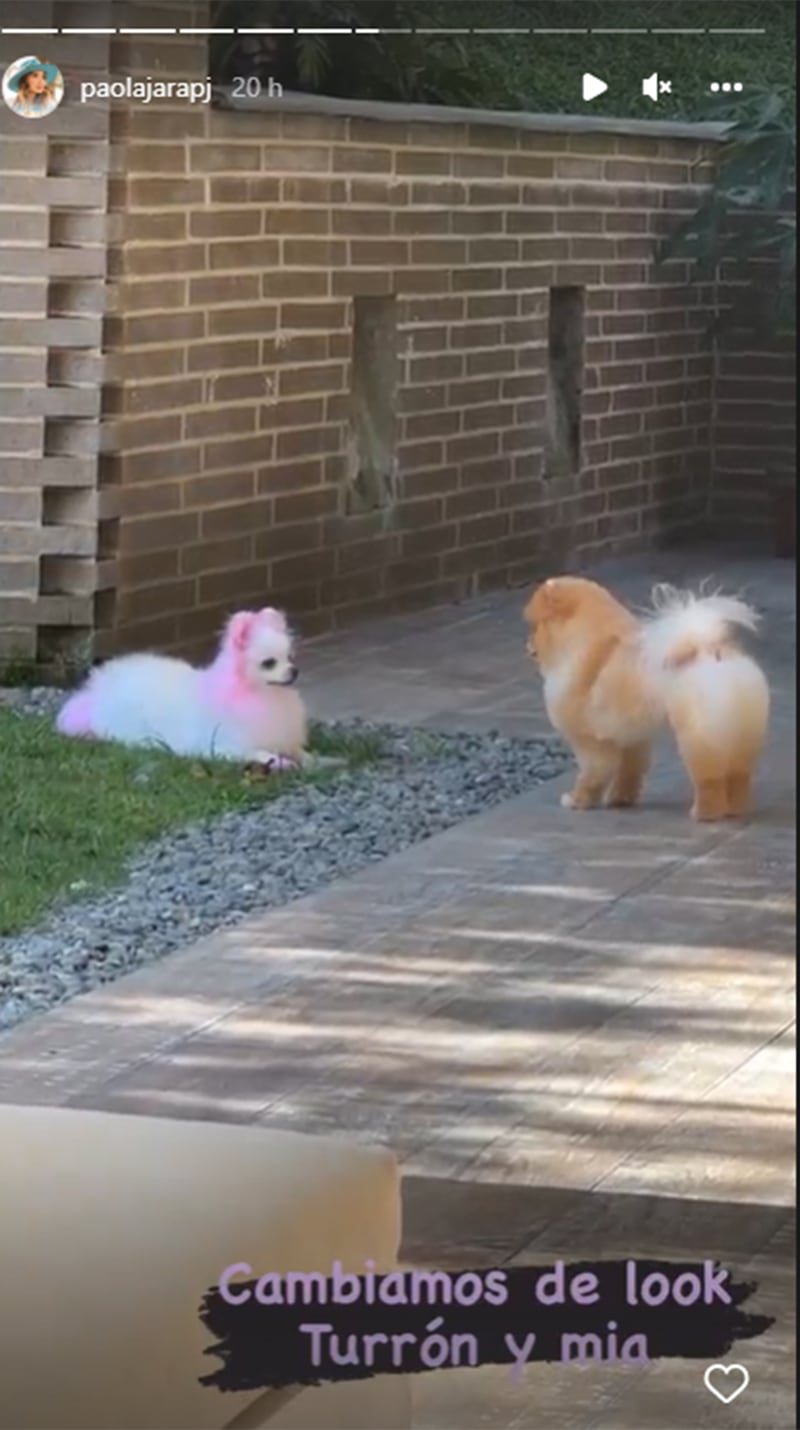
[212, 875]
[42, 700]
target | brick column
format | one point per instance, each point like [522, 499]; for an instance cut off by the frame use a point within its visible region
[53, 191]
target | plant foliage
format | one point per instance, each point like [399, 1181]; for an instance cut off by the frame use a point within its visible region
[497, 63]
[404, 67]
[741, 232]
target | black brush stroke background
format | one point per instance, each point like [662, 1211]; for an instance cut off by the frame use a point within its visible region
[262, 1347]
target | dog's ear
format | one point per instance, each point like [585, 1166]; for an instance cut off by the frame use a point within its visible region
[275, 619]
[554, 600]
[239, 628]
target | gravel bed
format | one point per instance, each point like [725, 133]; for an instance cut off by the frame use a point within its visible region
[42, 700]
[211, 875]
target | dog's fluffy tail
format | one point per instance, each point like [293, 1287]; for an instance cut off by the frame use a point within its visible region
[683, 627]
[716, 696]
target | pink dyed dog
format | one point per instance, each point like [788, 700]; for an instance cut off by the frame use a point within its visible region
[241, 707]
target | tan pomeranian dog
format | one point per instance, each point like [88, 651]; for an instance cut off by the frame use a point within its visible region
[611, 680]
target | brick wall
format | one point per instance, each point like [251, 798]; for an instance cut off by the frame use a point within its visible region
[248, 237]
[754, 423]
[239, 245]
[755, 440]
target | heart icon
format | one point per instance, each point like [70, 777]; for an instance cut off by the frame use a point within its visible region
[740, 1382]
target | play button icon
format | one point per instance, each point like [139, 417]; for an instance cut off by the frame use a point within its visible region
[592, 86]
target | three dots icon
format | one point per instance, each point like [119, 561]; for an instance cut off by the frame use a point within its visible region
[726, 88]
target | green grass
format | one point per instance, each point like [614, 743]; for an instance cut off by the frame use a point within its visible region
[71, 814]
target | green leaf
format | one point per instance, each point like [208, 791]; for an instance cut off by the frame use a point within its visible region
[312, 59]
[738, 221]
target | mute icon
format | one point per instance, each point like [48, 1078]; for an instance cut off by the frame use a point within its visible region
[653, 87]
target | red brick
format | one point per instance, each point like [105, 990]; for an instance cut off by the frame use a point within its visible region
[226, 488]
[481, 221]
[479, 166]
[362, 282]
[410, 573]
[288, 539]
[219, 422]
[420, 161]
[313, 189]
[464, 394]
[255, 318]
[373, 222]
[353, 159]
[307, 443]
[430, 424]
[232, 520]
[493, 360]
[227, 553]
[291, 570]
[314, 252]
[420, 454]
[328, 377]
[245, 190]
[298, 412]
[303, 505]
[290, 476]
[422, 399]
[254, 253]
[222, 356]
[429, 481]
[378, 252]
[465, 449]
[158, 533]
[239, 451]
[477, 280]
[494, 415]
[435, 369]
[225, 223]
[471, 503]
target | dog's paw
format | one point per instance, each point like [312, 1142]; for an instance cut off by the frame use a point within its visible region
[707, 813]
[706, 816]
[275, 764]
[579, 799]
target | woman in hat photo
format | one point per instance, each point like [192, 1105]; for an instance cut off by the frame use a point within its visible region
[36, 86]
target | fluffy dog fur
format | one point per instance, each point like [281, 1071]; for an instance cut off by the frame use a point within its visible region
[612, 680]
[241, 707]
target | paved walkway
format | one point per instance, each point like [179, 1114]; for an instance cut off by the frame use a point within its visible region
[576, 1030]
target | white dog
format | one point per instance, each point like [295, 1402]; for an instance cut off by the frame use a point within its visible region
[241, 707]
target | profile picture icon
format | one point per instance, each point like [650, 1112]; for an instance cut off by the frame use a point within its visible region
[32, 88]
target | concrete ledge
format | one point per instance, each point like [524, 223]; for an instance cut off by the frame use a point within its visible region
[293, 103]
